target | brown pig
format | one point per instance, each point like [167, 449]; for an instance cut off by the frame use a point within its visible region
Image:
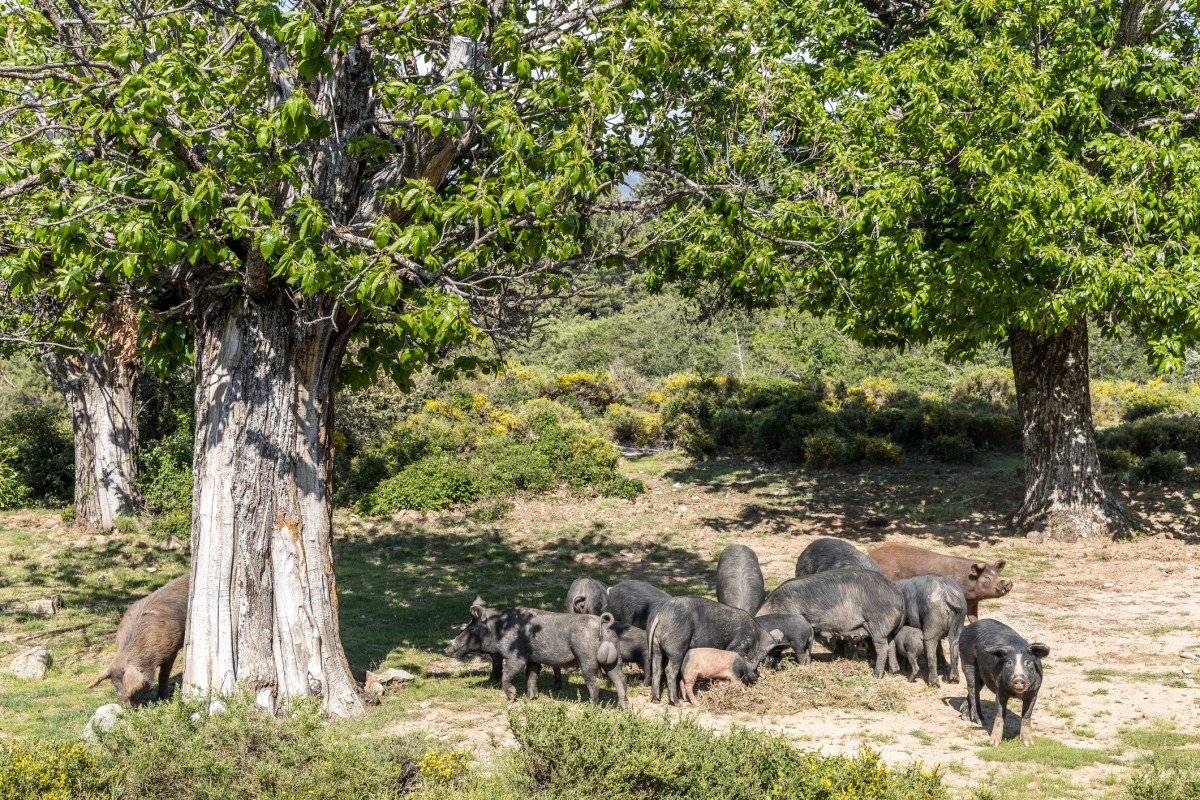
[708, 662]
[148, 639]
[979, 580]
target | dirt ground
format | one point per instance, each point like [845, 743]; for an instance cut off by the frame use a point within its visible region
[1122, 620]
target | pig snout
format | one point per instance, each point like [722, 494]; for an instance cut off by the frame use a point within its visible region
[1003, 588]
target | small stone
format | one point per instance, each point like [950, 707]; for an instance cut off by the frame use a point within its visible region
[681, 510]
[1109, 584]
[33, 663]
[510, 743]
[152, 570]
[676, 485]
[103, 720]
[1187, 671]
[378, 683]
[46, 607]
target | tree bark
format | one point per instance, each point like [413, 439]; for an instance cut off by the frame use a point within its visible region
[1065, 496]
[100, 389]
[263, 608]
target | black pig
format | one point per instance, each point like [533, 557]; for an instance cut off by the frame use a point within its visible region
[848, 604]
[794, 630]
[936, 605]
[587, 596]
[683, 623]
[527, 639]
[633, 602]
[740, 579]
[825, 554]
[994, 655]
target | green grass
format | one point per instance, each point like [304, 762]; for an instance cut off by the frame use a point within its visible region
[1046, 752]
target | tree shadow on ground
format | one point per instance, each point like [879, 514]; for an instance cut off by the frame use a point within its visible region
[952, 505]
[410, 584]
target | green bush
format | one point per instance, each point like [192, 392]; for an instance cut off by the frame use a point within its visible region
[509, 464]
[632, 426]
[825, 449]
[1167, 433]
[1116, 459]
[875, 449]
[161, 752]
[13, 491]
[51, 771]
[41, 449]
[595, 390]
[430, 484]
[1161, 466]
[1159, 782]
[166, 482]
[594, 752]
[952, 449]
[622, 487]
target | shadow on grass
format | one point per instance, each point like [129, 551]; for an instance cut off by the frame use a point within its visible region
[953, 505]
[410, 584]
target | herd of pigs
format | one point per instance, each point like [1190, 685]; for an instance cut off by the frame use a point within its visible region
[897, 602]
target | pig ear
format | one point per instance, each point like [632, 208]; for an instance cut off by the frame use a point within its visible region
[103, 676]
[977, 569]
[479, 611]
[1000, 565]
[1040, 650]
[479, 601]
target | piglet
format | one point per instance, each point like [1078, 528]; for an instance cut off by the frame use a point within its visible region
[995, 655]
[148, 639]
[713, 664]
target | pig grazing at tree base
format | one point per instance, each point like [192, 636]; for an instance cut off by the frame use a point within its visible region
[994, 655]
[148, 639]
[979, 580]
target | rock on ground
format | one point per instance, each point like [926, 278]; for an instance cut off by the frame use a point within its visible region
[103, 720]
[32, 663]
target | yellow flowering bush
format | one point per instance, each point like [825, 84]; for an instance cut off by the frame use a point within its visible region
[50, 771]
[444, 766]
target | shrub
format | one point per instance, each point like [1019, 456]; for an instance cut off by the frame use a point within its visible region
[991, 385]
[1116, 459]
[430, 484]
[1161, 466]
[632, 426]
[13, 491]
[825, 449]
[875, 449]
[689, 435]
[166, 483]
[622, 487]
[162, 752]
[595, 390]
[505, 465]
[51, 771]
[41, 451]
[1167, 433]
[952, 449]
[596, 752]
[1160, 782]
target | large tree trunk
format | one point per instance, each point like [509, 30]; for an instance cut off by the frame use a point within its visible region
[1065, 496]
[263, 608]
[100, 389]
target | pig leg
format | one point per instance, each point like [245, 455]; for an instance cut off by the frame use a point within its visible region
[673, 681]
[931, 647]
[558, 679]
[880, 642]
[512, 668]
[532, 672]
[656, 669]
[970, 710]
[893, 664]
[618, 681]
[646, 669]
[497, 668]
[972, 610]
[1027, 720]
[164, 678]
[955, 632]
[998, 722]
[588, 668]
